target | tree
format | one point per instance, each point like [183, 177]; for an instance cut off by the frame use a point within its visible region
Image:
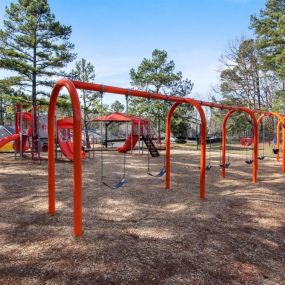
[279, 102]
[269, 28]
[157, 75]
[8, 96]
[242, 82]
[180, 122]
[35, 46]
[117, 106]
[85, 71]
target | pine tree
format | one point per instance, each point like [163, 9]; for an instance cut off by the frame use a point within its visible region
[9, 96]
[85, 71]
[157, 75]
[269, 27]
[35, 46]
[117, 107]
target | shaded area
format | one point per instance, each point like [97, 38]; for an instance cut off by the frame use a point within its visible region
[142, 234]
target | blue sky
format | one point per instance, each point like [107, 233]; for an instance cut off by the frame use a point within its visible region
[116, 35]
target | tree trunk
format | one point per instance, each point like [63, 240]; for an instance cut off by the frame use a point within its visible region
[35, 137]
[1, 110]
[258, 90]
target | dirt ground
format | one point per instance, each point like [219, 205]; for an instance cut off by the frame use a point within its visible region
[140, 233]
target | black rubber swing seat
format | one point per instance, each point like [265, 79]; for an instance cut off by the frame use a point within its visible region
[117, 185]
[249, 161]
[227, 165]
[275, 150]
[208, 167]
[261, 157]
[159, 174]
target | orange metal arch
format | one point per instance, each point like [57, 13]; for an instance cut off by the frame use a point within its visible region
[281, 120]
[278, 137]
[203, 145]
[77, 168]
[255, 140]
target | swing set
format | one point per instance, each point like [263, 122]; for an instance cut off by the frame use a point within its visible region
[140, 128]
[72, 87]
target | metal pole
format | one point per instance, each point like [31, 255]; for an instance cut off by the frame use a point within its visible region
[55, 137]
[203, 145]
[139, 133]
[21, 132]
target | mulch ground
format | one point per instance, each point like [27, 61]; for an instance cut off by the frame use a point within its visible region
[140, 233]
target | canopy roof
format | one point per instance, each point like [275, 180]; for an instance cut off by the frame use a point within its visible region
[117, 117]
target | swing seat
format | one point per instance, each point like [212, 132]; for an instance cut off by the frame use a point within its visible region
[249, 161]
[261, 157]
[159, 174]
[208, 167]
[275, 150]
[117, 185]
[227, 165]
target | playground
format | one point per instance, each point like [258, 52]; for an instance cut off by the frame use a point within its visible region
[144, 234]
[170, 214]
[142, 142]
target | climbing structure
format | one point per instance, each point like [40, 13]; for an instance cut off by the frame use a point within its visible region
[65, 139]
[23, 130]
[150, 145]
[139, 130]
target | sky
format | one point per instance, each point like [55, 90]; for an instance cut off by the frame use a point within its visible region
[115, 35]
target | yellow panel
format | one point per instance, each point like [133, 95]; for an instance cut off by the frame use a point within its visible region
[7, 147]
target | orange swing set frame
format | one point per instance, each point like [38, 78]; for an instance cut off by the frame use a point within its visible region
[72, 87]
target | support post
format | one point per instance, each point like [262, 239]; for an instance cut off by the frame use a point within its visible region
[282, 123]
[77, 167]
[278, 138]
[203, 145]
[255, 140]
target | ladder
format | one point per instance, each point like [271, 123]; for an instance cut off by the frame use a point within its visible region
[150, 146]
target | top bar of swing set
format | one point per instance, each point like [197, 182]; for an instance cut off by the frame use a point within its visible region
[150, 95]
[157, 96]
[77, 164]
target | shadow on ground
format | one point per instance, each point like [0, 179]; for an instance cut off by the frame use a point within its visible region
[141, 234]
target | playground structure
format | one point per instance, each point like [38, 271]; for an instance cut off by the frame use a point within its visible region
[64, 138]
[23, 130]
[21, 137]
[140, 130]
[71, 86]
[5, 132]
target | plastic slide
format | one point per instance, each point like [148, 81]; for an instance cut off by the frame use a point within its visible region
[25, 143]
[64, 137]
[129, 143]
[5, 140]
[16, 139]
